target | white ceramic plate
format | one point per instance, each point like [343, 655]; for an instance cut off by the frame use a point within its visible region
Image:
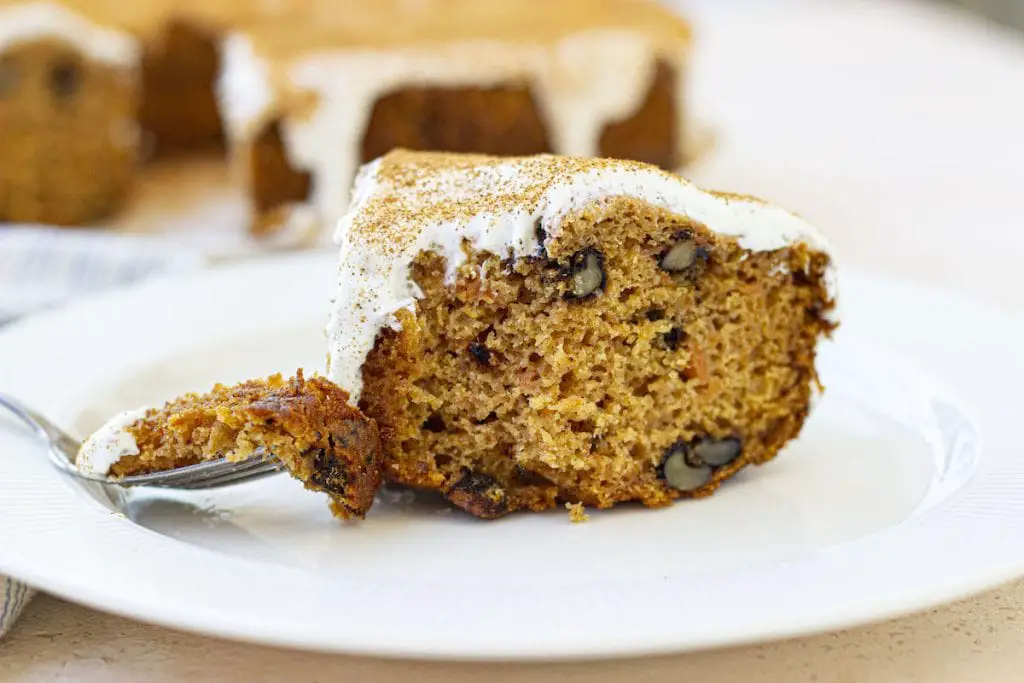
[903, 491]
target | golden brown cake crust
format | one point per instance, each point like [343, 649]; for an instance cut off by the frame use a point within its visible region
[307, 423]
[325, 25]
[285, 29]
[148, 19]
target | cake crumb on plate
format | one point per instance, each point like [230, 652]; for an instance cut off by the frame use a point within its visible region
[577, 513]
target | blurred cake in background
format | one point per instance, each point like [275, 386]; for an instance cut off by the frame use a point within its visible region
[307, 98]
[80, 79]
[180, 59]
[306, 90]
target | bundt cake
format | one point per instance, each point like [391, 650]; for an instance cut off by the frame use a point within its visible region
[307, 99]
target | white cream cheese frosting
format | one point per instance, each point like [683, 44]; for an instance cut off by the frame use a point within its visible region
[109, 443]
[31, 21]
[582, 82]
[407, 202]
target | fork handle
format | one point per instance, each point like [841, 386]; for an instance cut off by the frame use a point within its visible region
[57, 439]
[63, 449]
[37, 423]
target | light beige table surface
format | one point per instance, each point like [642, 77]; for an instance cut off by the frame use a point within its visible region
[900, 129]
[977, 641]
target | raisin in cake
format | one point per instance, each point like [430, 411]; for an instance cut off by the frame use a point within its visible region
[307, 99]
[306, 423]
[540, 330]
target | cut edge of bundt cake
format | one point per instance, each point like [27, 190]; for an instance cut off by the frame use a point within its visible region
[540, 330]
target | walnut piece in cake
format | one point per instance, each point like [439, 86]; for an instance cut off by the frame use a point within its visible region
[308, 424]
[535, 331]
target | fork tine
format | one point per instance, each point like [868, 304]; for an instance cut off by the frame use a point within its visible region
[243, 471]
[231, 481]
[259, 471]
[186, 476]
[170, 478]
[220, 468]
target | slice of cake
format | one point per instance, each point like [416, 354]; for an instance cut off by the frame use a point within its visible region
[308, 98]
[306, 423]
[535, 331]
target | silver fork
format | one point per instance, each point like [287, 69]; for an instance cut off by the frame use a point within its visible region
[63, 451]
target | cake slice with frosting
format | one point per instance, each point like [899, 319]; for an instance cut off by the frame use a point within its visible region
[305, 423]
[534, 331]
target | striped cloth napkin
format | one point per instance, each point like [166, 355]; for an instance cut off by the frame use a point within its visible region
[13, 598]
[46, 267]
